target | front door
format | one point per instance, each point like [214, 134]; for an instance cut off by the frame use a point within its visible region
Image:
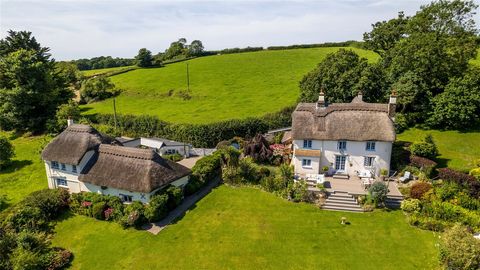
[340, 163]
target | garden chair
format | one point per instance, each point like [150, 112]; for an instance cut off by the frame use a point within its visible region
[406, 176]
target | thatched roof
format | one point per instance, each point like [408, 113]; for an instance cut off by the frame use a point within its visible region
[355, 121]
[307, 153]
[131, 169]
[71, 145]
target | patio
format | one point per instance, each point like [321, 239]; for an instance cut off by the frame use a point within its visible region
[354, 186]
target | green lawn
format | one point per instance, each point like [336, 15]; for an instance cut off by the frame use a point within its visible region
[458, 150]
[99, 71]
[245, 228]
[27, 171]
[222, 86]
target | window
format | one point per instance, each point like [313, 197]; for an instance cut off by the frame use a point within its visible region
[64, 167]
[306, 163]
[368, 161]
[55, 165]
[126, 198]
[171, 151]
[74, 168]
[61, 182]
[307, 143]
[370, 146]
[342, 145]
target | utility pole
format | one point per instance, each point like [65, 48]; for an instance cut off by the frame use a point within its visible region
[188, 79]
[115, 113]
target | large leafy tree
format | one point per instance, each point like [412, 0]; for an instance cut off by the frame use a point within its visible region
[144, 58]
[341, 76]
[31, 88]
[386, 34]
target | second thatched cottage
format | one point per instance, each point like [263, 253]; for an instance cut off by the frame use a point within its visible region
[346, 138]
[80, 159]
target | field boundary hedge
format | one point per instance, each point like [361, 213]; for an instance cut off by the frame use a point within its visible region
[199, 135]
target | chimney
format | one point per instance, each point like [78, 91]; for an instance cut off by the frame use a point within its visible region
[69, 121]
[360, 96]
[392, 104]
[321, 100]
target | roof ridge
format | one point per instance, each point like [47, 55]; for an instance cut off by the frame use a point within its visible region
[128, 152]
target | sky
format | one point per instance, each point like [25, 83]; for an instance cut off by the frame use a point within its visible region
[85, 28]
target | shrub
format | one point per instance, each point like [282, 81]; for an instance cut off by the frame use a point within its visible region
[193, 185]
[6, 151]
[231, 175]
[378, 191]
[297, 192]
[25, 218]
[3, 201]
[268, 183]
[133, 215]
[455, 176]
[51, 202]
[424, 150]
[157, 208]
[418, 189]
[447, 190]
[248, 170]
[173, 157]
[59, 258]
[97, 210]
[175, 197]
[475, 173]
[459, 250]
[411, 205]
[425, 164]
[467, 202]
[427, 223]
[263, 172]
[97, 88]
[208, 167]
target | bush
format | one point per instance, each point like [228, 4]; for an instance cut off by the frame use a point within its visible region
[378, 191]
[425, 164]
[157, 208]
[268, 183]
[3, 201]
[427, 148]
[459, 250]
[248, 170]
[231, 175]
[427, 223]
[51, 202]
[6, 151]
[467, 181]
[447, 190]
[98, 209]
[173, 157]
[193, 185]
[297, 192]
[419, 189]
[175, 196]
[59, 258]
[264, 172]
[96, 89]
[475, 173]
[133, 215]
[411, 205]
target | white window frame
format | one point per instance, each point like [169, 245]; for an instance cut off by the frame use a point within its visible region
[57, 180]
[126, 198]
[55, 165]
[307, 144]
[171, 151]
[306, 163]
[342, 145]
[74, 168]
[371, 161]
[370, 146]
[63, 166]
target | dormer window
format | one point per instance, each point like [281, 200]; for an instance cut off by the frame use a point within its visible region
[370, 146]
[342, 145]
[74, 168]
[64, 167]
[55, 165]
[307, 143]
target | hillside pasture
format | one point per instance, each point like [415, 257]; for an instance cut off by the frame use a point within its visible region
[222, 87]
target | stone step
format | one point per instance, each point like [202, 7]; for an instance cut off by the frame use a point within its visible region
[340, 195]
[400, 197]
[350, 202]
[342, 205]
[342, 208]
[341, 176]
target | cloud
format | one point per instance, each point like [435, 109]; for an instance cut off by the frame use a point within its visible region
[76, 29]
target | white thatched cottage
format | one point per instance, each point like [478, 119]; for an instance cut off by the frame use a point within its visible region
[349, 138]
[81, 159]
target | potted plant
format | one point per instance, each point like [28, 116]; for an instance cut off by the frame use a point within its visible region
[325, 169]
[383, 174]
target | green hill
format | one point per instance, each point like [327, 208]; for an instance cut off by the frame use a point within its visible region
[221, 87]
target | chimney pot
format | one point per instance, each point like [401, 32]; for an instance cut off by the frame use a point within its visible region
[69, 121]
[392, 104]
[321, 100]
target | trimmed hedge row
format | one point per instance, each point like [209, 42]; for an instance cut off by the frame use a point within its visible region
[200, 135]
[354, 43]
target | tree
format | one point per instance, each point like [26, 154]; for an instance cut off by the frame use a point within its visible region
[6, 151]
[176, 49]
[386, 34]
[195, 48]
[341, 76]
[71, 110]
[31, 88]
[97, 88]
[144, 58]
[458, 106]
[71, 73]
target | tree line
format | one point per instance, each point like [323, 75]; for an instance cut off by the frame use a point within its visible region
[424, 59]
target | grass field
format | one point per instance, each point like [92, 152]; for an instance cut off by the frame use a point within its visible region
[222, 86]
[245, 228]
[100, 71]
[27, 171]
[458, 150]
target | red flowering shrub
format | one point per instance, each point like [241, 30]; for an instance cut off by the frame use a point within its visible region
[59, 258]
[418, 189]
[86, 204]
[468, 182]
[107, 213]
[422, 162]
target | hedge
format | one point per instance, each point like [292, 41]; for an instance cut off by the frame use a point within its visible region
[200, 135]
